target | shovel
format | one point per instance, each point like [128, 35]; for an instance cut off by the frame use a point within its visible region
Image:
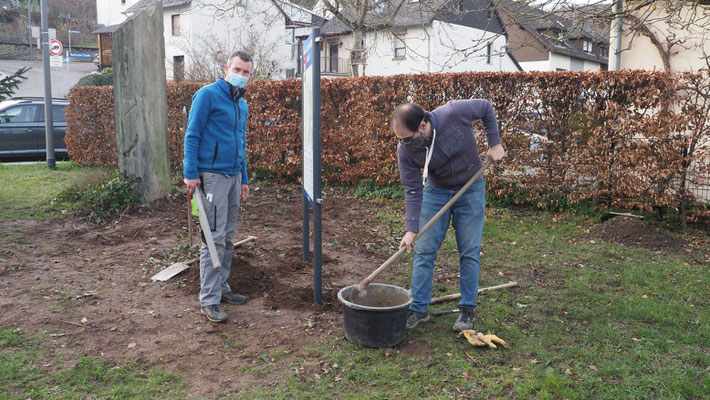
[360, 289]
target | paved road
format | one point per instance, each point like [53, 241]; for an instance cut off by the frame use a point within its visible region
[34, 85]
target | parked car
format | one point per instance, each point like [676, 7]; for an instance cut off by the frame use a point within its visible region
[22, 133]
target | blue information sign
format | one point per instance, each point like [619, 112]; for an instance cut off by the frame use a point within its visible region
[80, 55]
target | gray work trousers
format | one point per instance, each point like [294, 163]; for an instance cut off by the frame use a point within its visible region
[223, 193]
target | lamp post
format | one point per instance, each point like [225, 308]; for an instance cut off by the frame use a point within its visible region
[29, 27]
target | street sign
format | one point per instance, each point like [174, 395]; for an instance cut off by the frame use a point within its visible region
[55, 61]
[80, 55]
[55, 47]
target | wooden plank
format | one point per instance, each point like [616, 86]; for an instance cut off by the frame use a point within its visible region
[169, 272]
[611, 215]
[206, 232]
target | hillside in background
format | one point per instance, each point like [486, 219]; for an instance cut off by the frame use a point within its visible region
[77, 15]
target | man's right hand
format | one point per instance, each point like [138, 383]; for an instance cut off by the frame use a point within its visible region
[408, 241]
[191, 184]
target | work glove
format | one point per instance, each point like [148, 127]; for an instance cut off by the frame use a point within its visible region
[480, 340]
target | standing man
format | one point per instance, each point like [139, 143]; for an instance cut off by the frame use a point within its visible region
[215, 160]
[442, 143]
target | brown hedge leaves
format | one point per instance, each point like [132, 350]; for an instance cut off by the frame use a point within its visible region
[627, 138]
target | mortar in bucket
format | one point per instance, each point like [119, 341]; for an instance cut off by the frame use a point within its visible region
[378, 318]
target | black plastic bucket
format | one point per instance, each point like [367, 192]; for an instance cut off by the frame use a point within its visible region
[379, 317]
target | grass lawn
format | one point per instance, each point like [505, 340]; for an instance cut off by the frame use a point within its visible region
[28, 189]
[589, 320]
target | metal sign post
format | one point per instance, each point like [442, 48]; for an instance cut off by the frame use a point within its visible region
[48, 121]
[312, 158]
[69, 31]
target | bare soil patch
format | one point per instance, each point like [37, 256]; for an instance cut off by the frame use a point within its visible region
[635, 232]
[89, 286]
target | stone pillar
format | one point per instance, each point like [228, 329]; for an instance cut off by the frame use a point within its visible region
[140, 102]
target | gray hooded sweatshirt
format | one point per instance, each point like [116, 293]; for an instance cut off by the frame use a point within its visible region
[455, 156]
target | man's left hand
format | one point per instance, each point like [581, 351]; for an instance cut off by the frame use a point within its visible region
[496, 153]
[245, 192]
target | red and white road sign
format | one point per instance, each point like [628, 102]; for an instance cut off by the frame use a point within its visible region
[55, 47]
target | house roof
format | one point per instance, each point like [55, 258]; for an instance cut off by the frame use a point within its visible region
[539, 22]
[107, 29]
[418, 14]
[143, 4]
[307, 4]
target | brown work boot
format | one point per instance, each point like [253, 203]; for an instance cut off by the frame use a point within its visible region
[214, 313]
[233, 298]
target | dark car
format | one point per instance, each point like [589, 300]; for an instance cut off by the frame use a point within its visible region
[22, 133]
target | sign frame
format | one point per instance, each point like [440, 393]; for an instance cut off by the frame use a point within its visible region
[311, 117]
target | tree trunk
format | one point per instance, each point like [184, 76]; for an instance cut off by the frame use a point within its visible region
[356, 54]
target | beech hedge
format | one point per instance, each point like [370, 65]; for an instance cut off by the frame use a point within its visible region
[631, 139]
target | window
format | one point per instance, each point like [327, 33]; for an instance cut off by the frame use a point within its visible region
[178, 68]
[488, 53]
[20, 114]
[176, 24]
[400, 50]
[58, 114]
[587, 46]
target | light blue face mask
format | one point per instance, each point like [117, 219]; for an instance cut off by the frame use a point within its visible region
[237, 81]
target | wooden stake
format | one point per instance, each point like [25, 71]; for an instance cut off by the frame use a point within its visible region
[243, 241]
[458, 295]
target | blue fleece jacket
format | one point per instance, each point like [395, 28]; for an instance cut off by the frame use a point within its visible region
[215, 140]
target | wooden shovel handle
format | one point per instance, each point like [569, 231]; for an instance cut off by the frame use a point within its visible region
[189, 217]
[428, 225]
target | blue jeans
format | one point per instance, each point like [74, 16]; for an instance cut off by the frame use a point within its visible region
[467, 216]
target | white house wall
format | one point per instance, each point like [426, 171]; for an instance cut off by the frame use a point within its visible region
[457, 48]
[441, 47]
[176, 45]
[380, 53]
[642, 54]
[204, 26]
[543, 65]
[559, 62]
[591, 66]
[109, 12]
[259, 28]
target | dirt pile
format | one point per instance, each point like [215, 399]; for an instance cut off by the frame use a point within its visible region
[635, 232]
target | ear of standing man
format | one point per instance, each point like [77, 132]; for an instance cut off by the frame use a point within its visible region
[442, 145]
[215, 161]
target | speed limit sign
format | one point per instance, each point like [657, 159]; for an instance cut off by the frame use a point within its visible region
[55, 47]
